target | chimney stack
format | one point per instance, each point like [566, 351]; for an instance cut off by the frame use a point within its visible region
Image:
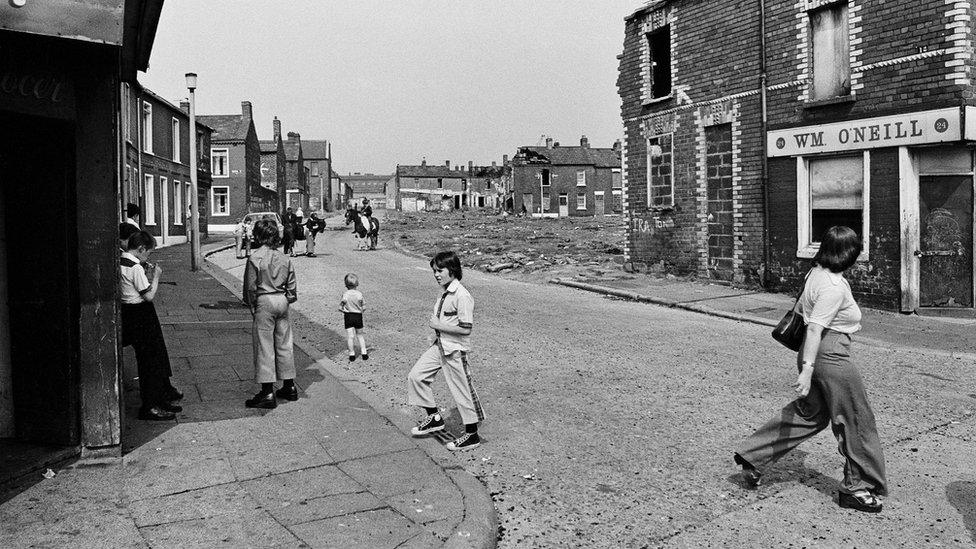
[470, 167]
[616, 145]
[448, 164]
[294, 136]
[584, 142]
[277, 128]
[246, 109]
[504, 159]
[494, 164]
[185, 106]
[548, 142]
[423, 162]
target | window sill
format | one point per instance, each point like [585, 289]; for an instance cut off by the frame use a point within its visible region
[663, 209]
[219, 214]
[839, 100]
[810, 250]
[657, 100]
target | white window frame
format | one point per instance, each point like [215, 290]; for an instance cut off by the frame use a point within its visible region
[578, 196]
[806, 249]
[213, 201]
[580, 178]
[647, 175]
[225, 153]
[147, 127]
[187, 208]
[149, 191]
[292, 195]
[176, 140]
[127, 111]
[178, 211]
[819, 59]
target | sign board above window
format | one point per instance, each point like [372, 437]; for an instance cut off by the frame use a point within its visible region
[916, 128]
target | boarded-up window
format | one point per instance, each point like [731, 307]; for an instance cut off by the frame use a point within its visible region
[836, 194]
[831, 52]
[660, 183]
[659, 48]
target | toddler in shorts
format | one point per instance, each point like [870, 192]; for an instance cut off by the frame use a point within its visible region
[352, 306]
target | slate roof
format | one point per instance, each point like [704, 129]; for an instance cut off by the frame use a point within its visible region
[577, 156]
[315, 149]
[430, 171]
[227, 127]
[367, 183]
[269, 146]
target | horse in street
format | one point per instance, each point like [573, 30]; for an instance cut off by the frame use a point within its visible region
[367, 236]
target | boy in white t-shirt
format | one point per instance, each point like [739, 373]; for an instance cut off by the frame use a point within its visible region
[352, 306]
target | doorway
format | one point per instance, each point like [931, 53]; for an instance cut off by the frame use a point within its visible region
[563, 205]
[37, 168]
[527, 202]
[599, 203]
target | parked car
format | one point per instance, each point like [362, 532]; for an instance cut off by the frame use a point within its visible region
[242, 233]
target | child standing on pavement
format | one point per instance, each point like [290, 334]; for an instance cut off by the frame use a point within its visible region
[269, 290]
[352, 306]
[452, 322]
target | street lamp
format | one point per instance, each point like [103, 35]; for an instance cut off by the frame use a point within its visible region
[191, 84]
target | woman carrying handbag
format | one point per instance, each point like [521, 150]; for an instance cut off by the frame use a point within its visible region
[830, 389]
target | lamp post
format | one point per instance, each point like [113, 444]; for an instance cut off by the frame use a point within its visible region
[191, 84]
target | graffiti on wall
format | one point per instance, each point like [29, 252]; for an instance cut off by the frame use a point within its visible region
[649, 226]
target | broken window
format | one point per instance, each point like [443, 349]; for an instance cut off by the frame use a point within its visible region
[659, 50]
[831, 51]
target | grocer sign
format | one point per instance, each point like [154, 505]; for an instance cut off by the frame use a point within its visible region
[867, 133]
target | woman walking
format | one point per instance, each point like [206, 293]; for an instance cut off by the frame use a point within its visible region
[830, 389]
[269, 289]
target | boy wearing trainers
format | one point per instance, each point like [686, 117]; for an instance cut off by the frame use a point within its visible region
[452, 322]
[352, 306]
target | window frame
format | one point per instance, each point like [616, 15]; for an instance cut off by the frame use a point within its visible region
[580, 178]
[177, 203]
[652, 61]
[805, 247]
[149, 191]
[580, 195]
[188, 207]
[647, 151]
[213, 200]
[846, 90]
[225, 153]
[147, 127]
[127, 111]
[177, 142]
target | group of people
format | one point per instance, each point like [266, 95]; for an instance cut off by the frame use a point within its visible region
[270, 288]
[830, 391]
[296, 228]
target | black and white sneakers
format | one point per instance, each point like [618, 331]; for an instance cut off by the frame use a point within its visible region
[428, 425]
[467, 441]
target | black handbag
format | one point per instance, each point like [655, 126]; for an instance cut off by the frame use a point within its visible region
[792, 328]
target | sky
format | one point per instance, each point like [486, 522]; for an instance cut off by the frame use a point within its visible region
[396, 82]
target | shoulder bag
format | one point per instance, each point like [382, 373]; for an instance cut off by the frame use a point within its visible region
[792, 328]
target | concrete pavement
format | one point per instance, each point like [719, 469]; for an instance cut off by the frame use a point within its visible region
[328, 470]
[949, 337]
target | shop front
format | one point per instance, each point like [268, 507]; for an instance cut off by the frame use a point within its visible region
[904, 182]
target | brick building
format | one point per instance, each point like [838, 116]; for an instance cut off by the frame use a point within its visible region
[866, 108]
[156, 163]
[317, 157]
[296, 174]
[235, 166]
[367, 185]
[559, 181]
[426, 187]
[273, 163]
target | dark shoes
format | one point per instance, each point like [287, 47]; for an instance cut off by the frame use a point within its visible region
[751, 475]
[429, 424]
[365, 356]
[262, 400]
[174, 394]
[170, 407]
[352, 358]
[862, 500]
[287, 393]
[467, 441]
[155, 414]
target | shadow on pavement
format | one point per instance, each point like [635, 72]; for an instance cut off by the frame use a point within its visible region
[962, 495]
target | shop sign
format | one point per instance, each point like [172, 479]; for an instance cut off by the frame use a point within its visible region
[898, 130]
[37, 92]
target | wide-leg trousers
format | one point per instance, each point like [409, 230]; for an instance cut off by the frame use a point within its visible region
[272, 340]
[458, 376]
[141, 329]
[837, 398]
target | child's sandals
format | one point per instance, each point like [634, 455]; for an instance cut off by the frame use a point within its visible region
[861, 500]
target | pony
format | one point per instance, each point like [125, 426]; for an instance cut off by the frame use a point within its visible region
[368, 236]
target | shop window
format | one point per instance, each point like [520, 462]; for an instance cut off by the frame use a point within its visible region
[150, 194]
[147, 127]
[659, 57]
[832, 190]
[580, 201]
[219, 163]
[660, 183]
[831, 51]
[220, 201]
[581, 178]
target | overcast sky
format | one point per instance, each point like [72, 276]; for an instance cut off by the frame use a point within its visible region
[393, 82]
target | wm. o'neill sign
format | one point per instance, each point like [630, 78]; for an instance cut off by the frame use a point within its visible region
[868, 133]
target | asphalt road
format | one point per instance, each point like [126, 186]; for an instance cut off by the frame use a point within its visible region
[610, 423]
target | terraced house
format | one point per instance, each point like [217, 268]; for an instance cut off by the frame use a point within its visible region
[750, 130]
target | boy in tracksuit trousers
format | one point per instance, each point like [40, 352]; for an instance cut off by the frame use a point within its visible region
[452, 322]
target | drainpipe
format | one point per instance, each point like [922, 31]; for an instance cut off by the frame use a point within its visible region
[764, 177]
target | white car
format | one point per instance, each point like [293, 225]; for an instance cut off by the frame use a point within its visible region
[250, 219]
